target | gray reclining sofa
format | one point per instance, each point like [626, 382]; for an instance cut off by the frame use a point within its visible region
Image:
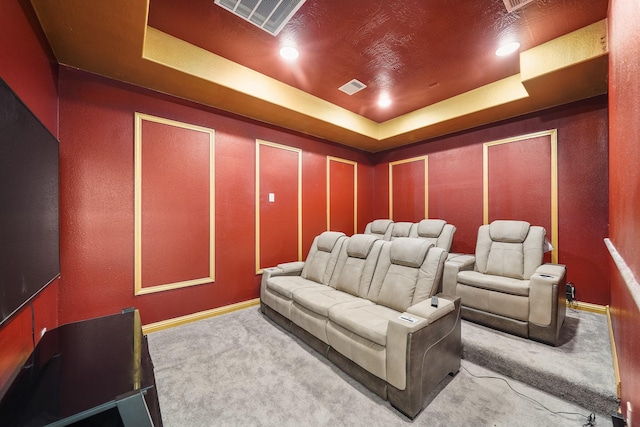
[366, 304]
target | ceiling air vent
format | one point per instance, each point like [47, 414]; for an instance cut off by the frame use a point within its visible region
[270, 15]
[512, 5]
[352, 87]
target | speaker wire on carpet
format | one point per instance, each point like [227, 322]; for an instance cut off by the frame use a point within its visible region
[591, 418]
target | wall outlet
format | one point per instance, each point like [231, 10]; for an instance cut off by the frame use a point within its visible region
[570, 292]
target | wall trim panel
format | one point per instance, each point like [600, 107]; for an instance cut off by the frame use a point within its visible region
[259, 143]
[553, 137]
[355, 190]
[424, 159]
[138, 288]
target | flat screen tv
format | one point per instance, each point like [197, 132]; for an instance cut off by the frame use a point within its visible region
[29, 215]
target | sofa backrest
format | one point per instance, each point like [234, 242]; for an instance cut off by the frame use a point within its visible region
[436, 231]
[400, 229]
[323, 255]
[510, 248]
[356, 263]
[409, 271]
[380, 228]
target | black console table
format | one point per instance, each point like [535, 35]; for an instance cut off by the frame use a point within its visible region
[94, 372]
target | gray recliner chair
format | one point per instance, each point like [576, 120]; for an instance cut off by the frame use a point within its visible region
[506, 286]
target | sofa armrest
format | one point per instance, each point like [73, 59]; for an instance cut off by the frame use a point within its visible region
[426, 311]
[452, 267]
[544, 289]
[286, 269]
[291, 268]
[417, 317]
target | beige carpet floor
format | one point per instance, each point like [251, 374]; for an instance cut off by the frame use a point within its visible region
[241, 369]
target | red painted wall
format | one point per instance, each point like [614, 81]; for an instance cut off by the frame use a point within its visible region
[624, 187]
[96, 161]
[27, 63]
[455, 185]
[455, 171]
[26, 66]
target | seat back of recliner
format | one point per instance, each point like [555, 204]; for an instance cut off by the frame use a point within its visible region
[356, 263]
[408, 272]
[436, 231]
[400, 229]
[380, 228]
[509, 248]
[322, 257]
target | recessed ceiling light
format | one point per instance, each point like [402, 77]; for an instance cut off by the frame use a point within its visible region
[289, 53]
[507, 48]
[384, 101]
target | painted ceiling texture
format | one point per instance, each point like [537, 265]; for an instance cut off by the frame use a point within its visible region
[435, 60]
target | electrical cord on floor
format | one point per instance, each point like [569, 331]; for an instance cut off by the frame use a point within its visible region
[591, 418]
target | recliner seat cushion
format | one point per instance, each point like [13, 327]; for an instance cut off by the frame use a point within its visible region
[364, 318]
[320, 300]
[285, 285]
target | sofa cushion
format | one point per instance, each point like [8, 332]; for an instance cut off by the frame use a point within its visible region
[285, 285]
[320, 300]
[399, 271]
[506, 259]
[364, 318]
[430, 275]
[379, 226]
[398, 287]
[400, 229]
[353, 273]
[328, 240]
[409, 252]
[430, 227]
[322, 257]
[359, 245]
[503, 284]
[509, 231]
